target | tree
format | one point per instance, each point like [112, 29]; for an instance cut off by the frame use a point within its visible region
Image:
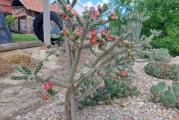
[164, 16]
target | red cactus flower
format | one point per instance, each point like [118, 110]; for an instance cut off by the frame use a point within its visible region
[124, 73]
[45, 97]
[78, 31]
[69, 7]
[48, 85]
[93, 33]
[110, 38]
[104, 33]
[65, 17]
[93, 40]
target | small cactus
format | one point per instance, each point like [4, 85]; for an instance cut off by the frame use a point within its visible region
[169, 96]
[162, 70]
[157, 89]
[27, 73]
[175, 88]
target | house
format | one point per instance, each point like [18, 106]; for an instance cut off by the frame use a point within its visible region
[25, 12]
[6, 7]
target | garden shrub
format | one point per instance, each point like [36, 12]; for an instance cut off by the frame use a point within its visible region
[169, 95]
[10, 20]
[162, 70]
[172, 44]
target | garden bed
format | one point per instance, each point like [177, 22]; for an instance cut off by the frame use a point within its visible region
[21, 100]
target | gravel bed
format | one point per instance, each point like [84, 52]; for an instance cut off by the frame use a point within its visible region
[138, 108]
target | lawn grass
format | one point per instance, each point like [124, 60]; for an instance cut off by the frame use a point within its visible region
[24, 37]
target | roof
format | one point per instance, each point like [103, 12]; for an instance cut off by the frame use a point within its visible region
[34, 5]
[5, 6]
[37, 5]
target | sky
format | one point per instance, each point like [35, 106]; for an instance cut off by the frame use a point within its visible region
[87, 3]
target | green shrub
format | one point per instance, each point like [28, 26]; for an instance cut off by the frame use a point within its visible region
[162, 70]
[169, 95]
[172, 44]
[10, 20]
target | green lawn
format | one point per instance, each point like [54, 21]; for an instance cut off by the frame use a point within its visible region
[24, 37]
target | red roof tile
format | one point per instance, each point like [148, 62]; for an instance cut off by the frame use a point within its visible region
[36, 5]
[5, 6]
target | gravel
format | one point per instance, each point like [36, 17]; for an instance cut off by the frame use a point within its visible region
[137, 108]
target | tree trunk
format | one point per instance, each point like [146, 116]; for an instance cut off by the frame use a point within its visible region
[67, 105]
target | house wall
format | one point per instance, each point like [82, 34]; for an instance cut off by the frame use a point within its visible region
[24, 19]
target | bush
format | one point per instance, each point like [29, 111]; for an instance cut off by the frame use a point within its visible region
[172, 44]
[169, 95]
[162, 70]
[10, 20]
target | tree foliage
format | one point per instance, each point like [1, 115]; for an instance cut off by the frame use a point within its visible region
[164, 16]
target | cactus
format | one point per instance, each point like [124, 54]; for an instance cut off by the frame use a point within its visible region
[27, 73]
[161, 55]
[175, 88]
[162, 70]
[156, 89]
[38, 68]
[112, 89]
[170, 96]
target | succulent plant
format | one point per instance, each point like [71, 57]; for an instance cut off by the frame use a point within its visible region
[161, 55]
[162, 70]
[27, 73]
[169, 96]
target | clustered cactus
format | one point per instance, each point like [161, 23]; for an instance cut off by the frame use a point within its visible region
[169, 95]
[162, 70]
[111, 88]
